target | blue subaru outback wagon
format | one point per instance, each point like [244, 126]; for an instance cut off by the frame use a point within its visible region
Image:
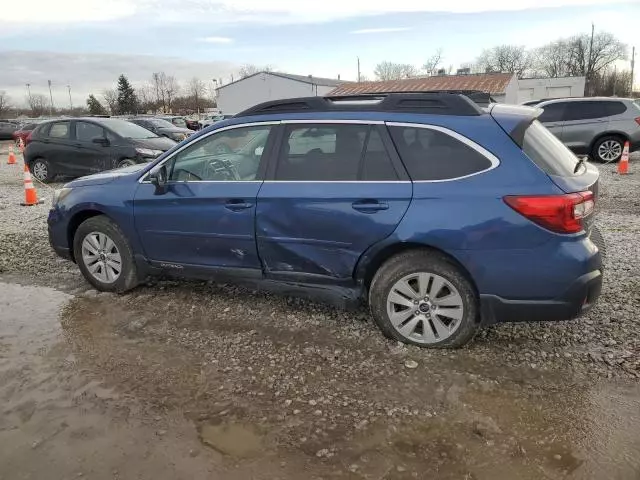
[442, 215]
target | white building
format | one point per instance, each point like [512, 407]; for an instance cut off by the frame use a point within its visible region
[543, 88]
[264, 86]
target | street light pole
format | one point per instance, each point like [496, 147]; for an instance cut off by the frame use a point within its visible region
[215, 88]
[50, 98]
[70, 102]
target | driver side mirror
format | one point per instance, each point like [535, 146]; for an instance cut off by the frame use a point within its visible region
[158, 177]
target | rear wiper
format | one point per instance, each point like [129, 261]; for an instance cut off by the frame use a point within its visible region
[579, 164]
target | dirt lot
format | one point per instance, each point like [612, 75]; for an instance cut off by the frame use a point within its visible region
[193, 380]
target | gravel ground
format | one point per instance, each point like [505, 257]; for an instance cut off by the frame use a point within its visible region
[606, 342]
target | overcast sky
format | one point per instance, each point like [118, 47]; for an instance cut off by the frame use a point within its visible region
[88, 43]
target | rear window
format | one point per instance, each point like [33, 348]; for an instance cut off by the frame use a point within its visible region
[548, 152]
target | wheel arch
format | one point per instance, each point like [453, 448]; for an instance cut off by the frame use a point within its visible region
[75, 221]
[370, 263]
[613, 133]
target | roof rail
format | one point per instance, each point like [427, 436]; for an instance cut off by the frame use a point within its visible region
[434, 103]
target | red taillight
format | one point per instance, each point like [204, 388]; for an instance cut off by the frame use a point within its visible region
[558, 213]
[637, 119]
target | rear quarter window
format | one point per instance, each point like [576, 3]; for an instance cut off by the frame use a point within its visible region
[616, 108]
[433, 155]
[547, 152]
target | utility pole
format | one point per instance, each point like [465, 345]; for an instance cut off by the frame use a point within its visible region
[633, 64]
[70, 102]
[359, 70]
[50, 98]
[590, 65]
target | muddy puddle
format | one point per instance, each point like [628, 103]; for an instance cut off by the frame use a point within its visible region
[165, 385]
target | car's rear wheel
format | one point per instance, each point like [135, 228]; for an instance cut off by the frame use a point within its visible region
[422, 298]
[104, 255]
[41, 170]
[608, 149]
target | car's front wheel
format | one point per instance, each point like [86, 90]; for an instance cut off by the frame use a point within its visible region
[608, 149]
[422, 298]
[104, 255]
[41, 170]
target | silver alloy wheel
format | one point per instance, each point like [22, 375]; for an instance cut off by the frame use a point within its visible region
[425, 307]
[40, 171]
[610, 150]
[101, 257]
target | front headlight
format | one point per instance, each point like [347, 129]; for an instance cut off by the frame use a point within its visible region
[59, 194]
[147, 152]
[178, 137]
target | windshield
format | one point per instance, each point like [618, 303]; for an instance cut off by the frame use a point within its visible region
[127, 129]
[179, 122]
[158, 122]
[549, 153]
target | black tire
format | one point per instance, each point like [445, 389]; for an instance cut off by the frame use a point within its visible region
[37, 165]
[124, 162]
[128, 278]
[596, 148]
[416, 261]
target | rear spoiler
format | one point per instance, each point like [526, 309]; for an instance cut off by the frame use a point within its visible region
[514, 119]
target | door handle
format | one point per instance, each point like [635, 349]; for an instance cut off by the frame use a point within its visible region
[369, 206]
[237, 205]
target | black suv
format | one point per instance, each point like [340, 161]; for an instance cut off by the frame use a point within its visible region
[81, 146]
[162, 127]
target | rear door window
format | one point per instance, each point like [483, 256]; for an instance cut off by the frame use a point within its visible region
[430, 154]
[59, 130]
[585, 110]
[334, 152]
[321, 152]
[549, 153]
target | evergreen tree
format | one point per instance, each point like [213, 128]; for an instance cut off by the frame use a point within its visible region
[127, 101]
[95, 107]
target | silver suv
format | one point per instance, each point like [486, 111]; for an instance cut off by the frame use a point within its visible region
[596, 126]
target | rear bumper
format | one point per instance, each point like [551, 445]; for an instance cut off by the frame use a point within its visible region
[578, 299]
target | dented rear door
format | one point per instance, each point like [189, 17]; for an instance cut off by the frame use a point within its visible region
[328, 202]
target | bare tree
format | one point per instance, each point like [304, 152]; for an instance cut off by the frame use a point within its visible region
[158, 81]
[576, 56]
[111, 97]
[4, 103]
[394, 71]
[146, 97]
[248, 69]
[433, 62]
[37, 103]
[171, 89]
[611, 82]
[553, 59]
[506, 59]
[196, 89]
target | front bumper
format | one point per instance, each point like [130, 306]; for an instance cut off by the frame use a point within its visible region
[578, 299]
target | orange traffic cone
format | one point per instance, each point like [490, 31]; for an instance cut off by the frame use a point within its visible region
[623, 165]
[30, 195]
[12, 156]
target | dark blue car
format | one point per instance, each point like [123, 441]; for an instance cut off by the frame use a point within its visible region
[442, 215]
